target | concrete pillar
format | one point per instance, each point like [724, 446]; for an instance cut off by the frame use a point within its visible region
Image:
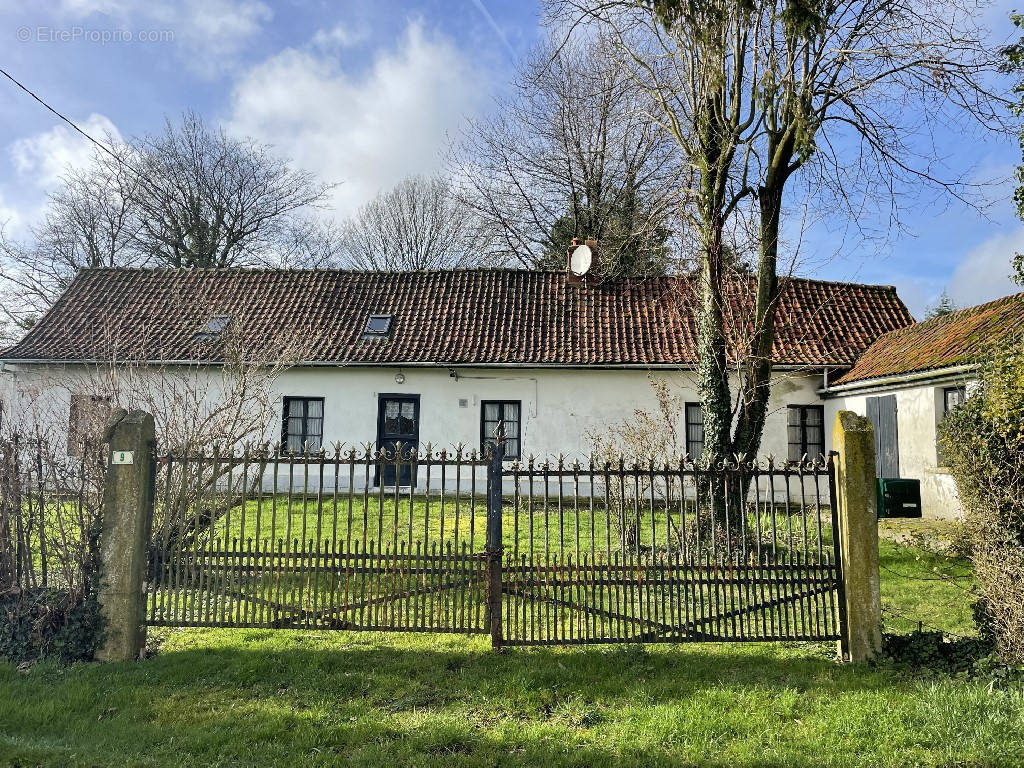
[853, 438]
[127, 511]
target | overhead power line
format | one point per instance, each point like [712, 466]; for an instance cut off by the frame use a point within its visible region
[142, 178]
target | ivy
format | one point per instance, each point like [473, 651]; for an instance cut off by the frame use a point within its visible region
[52, 622]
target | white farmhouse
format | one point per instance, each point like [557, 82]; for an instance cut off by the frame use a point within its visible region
[440, 357]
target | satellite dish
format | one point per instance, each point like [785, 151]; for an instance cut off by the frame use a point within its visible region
[581, 259]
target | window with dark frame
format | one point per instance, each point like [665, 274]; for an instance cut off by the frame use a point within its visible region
[806, 431]
[302, 424]
[952, 398]
[507, 413]
[213, 329]
[694, 430]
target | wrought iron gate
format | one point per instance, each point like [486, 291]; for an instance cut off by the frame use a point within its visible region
[531, 552]
[607, 553]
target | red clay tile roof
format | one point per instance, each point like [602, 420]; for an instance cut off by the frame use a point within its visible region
[959, 338]
[472, 316]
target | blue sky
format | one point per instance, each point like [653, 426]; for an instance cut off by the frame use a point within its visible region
[365, 92]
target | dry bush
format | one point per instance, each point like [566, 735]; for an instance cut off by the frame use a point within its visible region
[650, 438]
[211, 408]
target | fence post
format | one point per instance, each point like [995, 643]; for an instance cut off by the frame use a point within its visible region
[853, 439]
[124, 539]
[494, 549]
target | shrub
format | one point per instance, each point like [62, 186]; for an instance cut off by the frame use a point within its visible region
[49, 550]
[984, 440]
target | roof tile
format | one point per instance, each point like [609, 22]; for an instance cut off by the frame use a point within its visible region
[467, 316]
[959, 338]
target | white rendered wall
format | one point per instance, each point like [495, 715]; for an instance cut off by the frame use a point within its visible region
[919, 409]
[561, 408]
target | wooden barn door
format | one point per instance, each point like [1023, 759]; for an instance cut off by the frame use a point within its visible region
[882, 415]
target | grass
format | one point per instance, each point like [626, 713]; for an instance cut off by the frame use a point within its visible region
[255, 697]
[411, 540]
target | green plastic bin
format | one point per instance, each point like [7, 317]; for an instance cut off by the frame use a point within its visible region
[899, 497]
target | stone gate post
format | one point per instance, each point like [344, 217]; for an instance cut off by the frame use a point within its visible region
[853, 439]
[124, 538]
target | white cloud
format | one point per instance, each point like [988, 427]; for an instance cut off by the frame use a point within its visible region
[208, 34]
[339, 36]
[366, 130]
[984, 274]
[215, 31]
[11, 221]
[81, 8]
[43, 157]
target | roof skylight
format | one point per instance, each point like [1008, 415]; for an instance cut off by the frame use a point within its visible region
[213, 329]
[377, 327]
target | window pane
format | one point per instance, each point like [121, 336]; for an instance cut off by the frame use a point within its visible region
[954, 397]
[295, 407]
[492, 411]
[407, 419]
[794, 433]
[511, 424]
[378, 324]
[391, 409]
[511, 411]
[815, 441]
[694, 430]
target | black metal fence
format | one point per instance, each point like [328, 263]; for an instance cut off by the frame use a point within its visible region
[534, 552]
[654, 552]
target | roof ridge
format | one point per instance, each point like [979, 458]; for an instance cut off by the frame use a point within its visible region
[444, 270]
[314, 270]
[954, 316]
[939, 342]
[961, 313]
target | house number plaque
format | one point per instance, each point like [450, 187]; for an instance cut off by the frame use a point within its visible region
[123, 457]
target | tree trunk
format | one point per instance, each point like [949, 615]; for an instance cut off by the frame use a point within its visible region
[757, 365]
[712, 374]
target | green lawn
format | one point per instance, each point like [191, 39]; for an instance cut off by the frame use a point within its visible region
[535, 525]
[256, 697]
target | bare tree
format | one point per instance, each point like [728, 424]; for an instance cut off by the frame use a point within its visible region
[214, 201]
[874, 76]
[90, 221]
[752, 93]
[420, 224]
[572, 153]
[190, 196]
